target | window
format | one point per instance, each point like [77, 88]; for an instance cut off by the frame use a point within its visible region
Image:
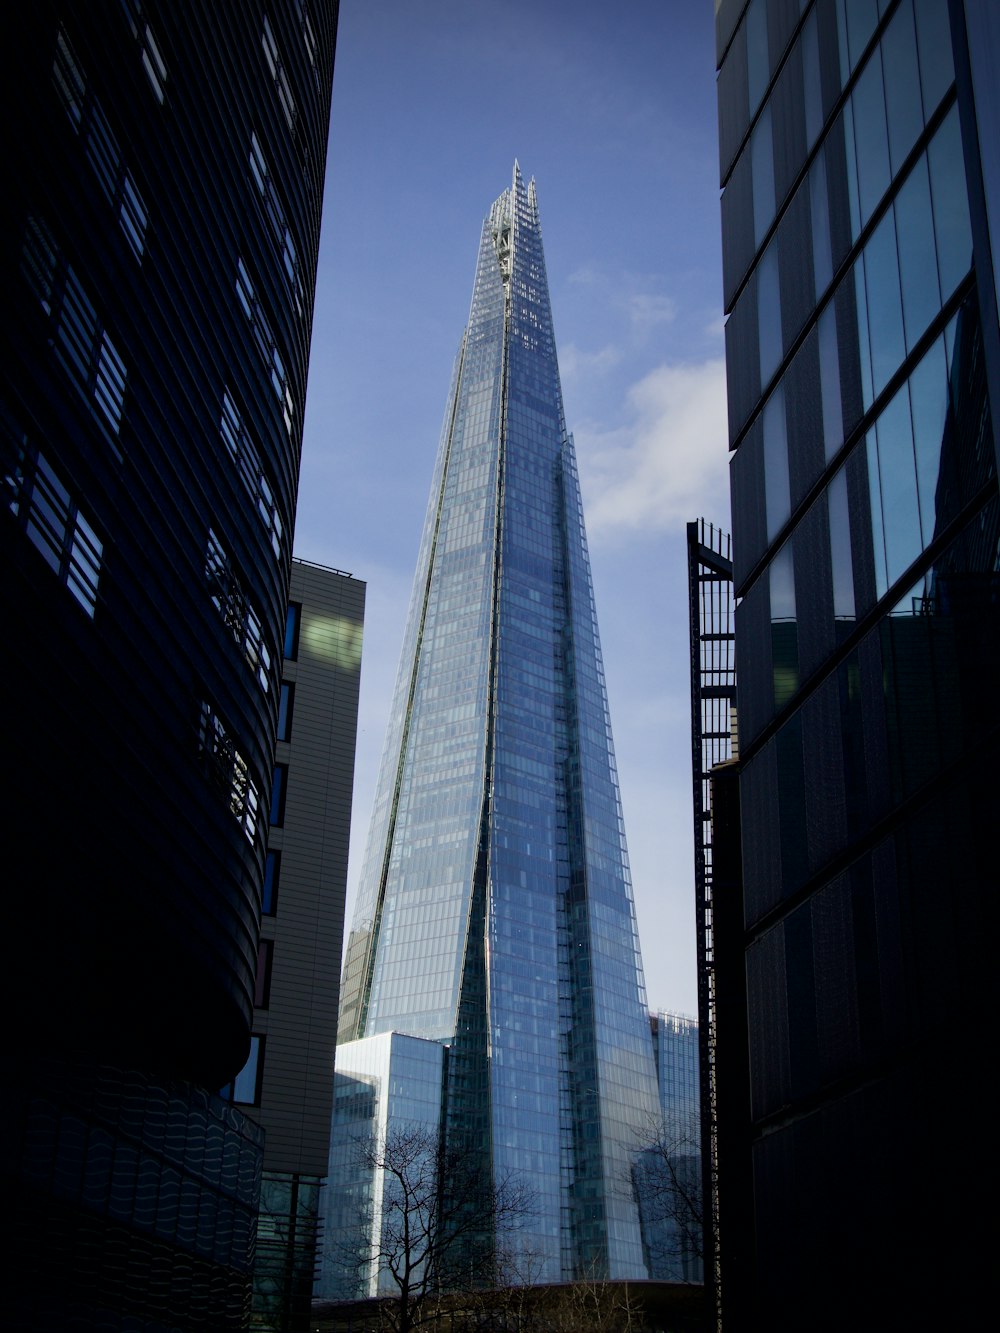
[274, 64]
[261, 175]
[292, 618]
[54, 524]
[286, 704]
[80, 340]
[272, 873]
[236, 610]
[228, 770]
[245, 1087]
[279, 786]
[262, 988]
[265, 341]
[308, 36]
[152, 61]
[244, 454]
[102, 150]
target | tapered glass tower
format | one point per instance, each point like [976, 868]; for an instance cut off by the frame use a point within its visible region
[495, 914]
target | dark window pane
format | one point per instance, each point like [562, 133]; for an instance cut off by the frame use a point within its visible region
[769, 312]
[272, 873]
[776, 491]
[757, 62]
[762, 172]
[285, 705]
[292, 629]
[841, 561]
[278, 786]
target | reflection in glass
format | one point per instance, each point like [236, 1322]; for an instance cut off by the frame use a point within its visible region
[769, 312]
[841, 559]
[784, 630]
[885, 310]
[951, 204]
[902, 87]
[898, 481]
[870, 137]
[776, 491]
[917, 263]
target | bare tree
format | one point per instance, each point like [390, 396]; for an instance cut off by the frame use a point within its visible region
[667, 1185]
[437, 1221]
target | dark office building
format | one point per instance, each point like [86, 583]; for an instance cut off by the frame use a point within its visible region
[858, 149]
[287, 1085]
[163, 168]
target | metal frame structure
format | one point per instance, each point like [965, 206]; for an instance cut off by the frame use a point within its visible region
[711, 605]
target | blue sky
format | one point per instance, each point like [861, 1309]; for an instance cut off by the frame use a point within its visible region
[612, 110]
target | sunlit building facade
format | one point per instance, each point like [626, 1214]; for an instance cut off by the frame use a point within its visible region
[858, 157]
[495, 912]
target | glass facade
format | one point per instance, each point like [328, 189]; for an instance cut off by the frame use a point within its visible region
[668, 1174]
[495, 911]
[863, 356]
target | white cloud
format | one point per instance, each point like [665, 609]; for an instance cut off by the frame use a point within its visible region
[647, 309]
[574, 362]
[669, 464]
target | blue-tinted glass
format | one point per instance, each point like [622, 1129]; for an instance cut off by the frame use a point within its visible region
[885, 310]
[494, 909]
[812, 83]
[757, 60]
[292, 629]
[272, 870]
[875, 510]
[762, 173]
[841, 560]
[937, 71]
[898, 478]
[845, 125]
[285, 702]
[951, 204]
[769, 312]
[929, 406]
[776, 492]
[862, 17]
[819, 204]
[902, 84]
[871, 138]
[246, 1082]
[917, 262]
[784, 630]
[277, 809]
[864, 340]
[829, 377]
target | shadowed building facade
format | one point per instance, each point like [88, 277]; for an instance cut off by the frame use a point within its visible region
[858, 157]
[163, 168]
[495, 912]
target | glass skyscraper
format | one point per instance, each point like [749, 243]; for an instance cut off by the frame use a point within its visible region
[495, 915]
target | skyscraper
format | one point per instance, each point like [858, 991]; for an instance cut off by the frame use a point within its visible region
[495, 914]
[159, 227]
[858, 154]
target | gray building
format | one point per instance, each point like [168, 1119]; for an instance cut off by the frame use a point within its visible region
[858, 160]
[287, 1085]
